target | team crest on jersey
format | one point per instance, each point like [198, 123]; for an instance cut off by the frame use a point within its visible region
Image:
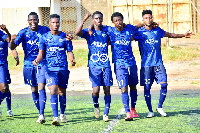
[38, 34]
[155, 32]
[127, 33]
[61, 40]
[104, 35]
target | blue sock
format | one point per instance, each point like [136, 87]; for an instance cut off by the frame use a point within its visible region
[95, 101]
[8, 100]
[54, 105]
[42, 100]
[107, 104]
[2, 96]
[147, 97]
[35, 96]
[62, 100]
[163, 93]
[125, 101]
[133, 95]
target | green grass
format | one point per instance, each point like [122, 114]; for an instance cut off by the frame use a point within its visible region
[196, 83]
[182, 109]
[81, 56]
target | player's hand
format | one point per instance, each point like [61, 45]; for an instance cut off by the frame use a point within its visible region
[69, 37]
[155, 25]
[3, 27]
[35, 62]
[17, 60]
[73, 62]
[86, 16]
[189, 34]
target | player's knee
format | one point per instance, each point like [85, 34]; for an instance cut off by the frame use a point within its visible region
[124, 89]
[106, 90]
[133, 87]
[41, 86]
[4, 88]
[34, 89]
[164, 88]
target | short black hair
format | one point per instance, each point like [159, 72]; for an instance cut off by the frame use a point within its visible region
[97, 12]
[116, 14]
[54, 16]
[33, 13]
[146, 12]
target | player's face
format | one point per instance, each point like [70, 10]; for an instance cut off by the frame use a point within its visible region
[54, 24]
[33, 22]
[118, 22]
[97, 19]
[148, 19]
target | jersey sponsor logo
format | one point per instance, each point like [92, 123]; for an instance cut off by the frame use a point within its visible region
[99, 57]
[151, 41]
[55, 49]
[122, 42]
[33, 42]
[99, 44]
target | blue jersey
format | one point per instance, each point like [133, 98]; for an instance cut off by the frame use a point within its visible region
[98, 47]
[149, 42]
[122, 53]
[30, 43]
[3, 48]
[55, 47]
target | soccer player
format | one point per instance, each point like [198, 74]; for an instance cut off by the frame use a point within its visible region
[53, 45]
[33, 76]
[125, 66]
[100, 73]
[152, 68]
[5, 76]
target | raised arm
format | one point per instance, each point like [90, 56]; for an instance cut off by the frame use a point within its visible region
[79, 31]
[71, 58]
[188, 34]
[15, 54]
[39, 57]
[3, 27]
[12, 44]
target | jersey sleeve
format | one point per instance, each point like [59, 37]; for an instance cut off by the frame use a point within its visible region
[19, 37]
[69, 46]
[161, 32]
[132, 28]
[85, 33]
[3, 35]
[42, 45]
[136, 35]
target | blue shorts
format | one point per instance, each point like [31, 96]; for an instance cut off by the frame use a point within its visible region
[34, 75]
[148, 74]
[100, 76]
[59, 78]
[5, 75]
[126, 75]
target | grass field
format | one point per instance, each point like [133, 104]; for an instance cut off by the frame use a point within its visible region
[182, 107]
[81, 56]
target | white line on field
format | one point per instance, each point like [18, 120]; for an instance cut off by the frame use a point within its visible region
[112, 123]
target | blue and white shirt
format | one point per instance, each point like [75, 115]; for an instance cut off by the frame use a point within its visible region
[30, 43]
[149, 42]
[3, 48]
[55, 47]
[122, 53]
[98, 47]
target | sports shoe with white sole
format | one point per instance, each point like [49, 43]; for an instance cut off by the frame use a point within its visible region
[41, 119]
[105, 118]
[10, 113]
[0, 112]
[55, 121]
[129, 117]
[150, 115]
[160, 110]
[63, 118]
[96, 112]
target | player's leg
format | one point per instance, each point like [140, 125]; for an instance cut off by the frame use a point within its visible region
[122, 80]
[30, 79]
[52, 84]
[42, 92]
[161, 77]
[62, 85]
[107, 82]
[4, 87]
[146, 80]
[95, 76]
[133, 81]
